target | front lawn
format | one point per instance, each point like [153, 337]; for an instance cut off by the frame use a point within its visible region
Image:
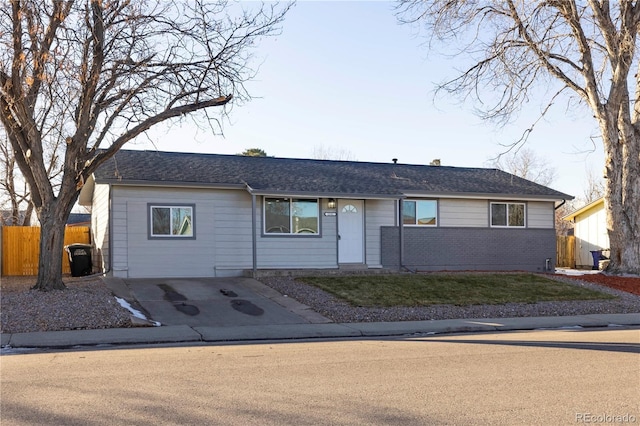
[450, 289]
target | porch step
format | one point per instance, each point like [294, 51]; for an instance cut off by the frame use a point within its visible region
[352, 267]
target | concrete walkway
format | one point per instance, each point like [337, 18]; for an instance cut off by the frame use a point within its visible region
[187, 334]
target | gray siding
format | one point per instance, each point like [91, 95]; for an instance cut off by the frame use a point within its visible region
[232, 232]
[135, 255]
[495, 249]
[475, 213]
[119, 234]
[222, 244]
[540, 214]
[298, 251]
[100, 227]
[463, 213]
[223, 236]
[378, 213]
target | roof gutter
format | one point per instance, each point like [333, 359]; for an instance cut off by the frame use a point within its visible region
[401, 232]
[485, 196]
[314, 194]
[174, 184]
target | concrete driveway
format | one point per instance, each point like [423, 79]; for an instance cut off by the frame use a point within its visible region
[198, 302]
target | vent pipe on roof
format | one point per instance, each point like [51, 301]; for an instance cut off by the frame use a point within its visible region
[395, 160]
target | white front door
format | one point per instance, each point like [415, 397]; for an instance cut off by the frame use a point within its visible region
[350, 231]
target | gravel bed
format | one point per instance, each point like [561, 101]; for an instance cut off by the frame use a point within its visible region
[342, 312]
[86, 304]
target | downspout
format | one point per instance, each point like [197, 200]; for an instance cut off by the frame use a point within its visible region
[547, 261]
[110, 224]
[254, 228]
[560, 205]
[401, 234]
[401, 238]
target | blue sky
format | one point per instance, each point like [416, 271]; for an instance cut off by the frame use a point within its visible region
[347, 76]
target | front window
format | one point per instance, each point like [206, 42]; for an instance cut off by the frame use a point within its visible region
[420, 212]
[171, 221]
[507, 214]
[290, 216]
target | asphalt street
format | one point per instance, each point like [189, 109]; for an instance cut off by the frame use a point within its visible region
[534, 377]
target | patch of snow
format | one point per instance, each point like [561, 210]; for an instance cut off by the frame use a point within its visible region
[576, 272]
[136, 313]
[8, 350]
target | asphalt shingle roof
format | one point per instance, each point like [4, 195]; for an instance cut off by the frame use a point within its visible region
[296, 176]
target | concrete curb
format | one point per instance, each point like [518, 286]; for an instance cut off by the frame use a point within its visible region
[114, 336]
[276, 332]
[186, 334]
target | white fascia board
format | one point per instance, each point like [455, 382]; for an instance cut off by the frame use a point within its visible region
[586, 208]
[86, 192]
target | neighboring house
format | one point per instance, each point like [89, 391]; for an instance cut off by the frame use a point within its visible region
[590, 230]
[79, 219]
[163, 214]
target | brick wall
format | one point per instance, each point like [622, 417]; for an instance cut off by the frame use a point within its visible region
[480, 249]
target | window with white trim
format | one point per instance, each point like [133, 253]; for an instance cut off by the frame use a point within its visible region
[420, 212]
[171, 221]
[291, 216]
[508, 215]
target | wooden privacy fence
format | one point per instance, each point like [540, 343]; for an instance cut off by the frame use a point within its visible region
[566, 251]
[21, 248]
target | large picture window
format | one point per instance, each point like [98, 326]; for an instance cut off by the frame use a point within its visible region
[290, 216]
[169, 221]
[508, 215]
[420, 212]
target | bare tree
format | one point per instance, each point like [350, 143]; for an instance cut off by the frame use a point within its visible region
[96, 74]
[16, 193]
[595, 188]
[563, 227]
[526, 164]
[323, 152]
[585, 50]
[14, 198]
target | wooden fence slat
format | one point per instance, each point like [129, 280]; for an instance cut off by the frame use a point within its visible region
[21, 248]
[566, 251]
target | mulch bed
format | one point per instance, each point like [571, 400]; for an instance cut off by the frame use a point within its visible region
[628, 284]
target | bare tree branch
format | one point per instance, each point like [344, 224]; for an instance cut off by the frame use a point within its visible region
[517, 50]
[78, 80]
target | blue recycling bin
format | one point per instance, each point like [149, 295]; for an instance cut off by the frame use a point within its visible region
[597, 257]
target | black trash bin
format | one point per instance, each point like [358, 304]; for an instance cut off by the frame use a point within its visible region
[80, 259]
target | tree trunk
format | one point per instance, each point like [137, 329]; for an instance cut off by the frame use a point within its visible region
[50, 260]
[622, 192]
[52, 226]
[624, 234]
